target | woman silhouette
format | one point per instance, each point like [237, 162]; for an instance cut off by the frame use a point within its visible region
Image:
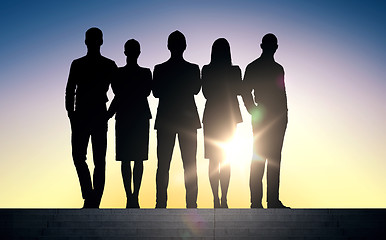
[221, 85]
[131, 85]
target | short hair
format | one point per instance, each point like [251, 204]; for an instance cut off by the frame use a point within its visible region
[94, 35]
[132, 45]
[176, 41]
[269, 41]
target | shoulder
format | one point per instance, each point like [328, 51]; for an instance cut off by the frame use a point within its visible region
[161, 66]
[206, 68]
[254, 64]
[193, 65]
[79, 60]
[279, 67]
[236, 68]
[120, 69]
[108, 61]
[143, 69]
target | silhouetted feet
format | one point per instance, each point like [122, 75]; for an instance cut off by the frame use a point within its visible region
[224, 203]
[216, 203]
[276, 204]
[87, 203]
[132, 202]
[128, 203]
[191, 205]
[160, 205]
[257, 205]
[92, 201]
[135, 202]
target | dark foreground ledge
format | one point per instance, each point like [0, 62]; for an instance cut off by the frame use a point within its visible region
[193, 223]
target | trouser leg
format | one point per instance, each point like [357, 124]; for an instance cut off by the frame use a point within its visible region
[274, 161]
[79, 141]
[188, 145]
[256, 182]
[99, 146]
[273, 175]
[165, 145]
[256, 175]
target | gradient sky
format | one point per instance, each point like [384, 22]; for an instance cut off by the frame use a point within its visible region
[334, 57]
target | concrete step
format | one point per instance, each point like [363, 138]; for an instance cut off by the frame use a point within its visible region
[130, 232]
[130, 224]
[267, 224]
[197, 223]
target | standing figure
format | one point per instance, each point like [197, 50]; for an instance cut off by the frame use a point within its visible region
[131, 85]
[176, 81]
[87, 85]
[221, 85]
[265, 77]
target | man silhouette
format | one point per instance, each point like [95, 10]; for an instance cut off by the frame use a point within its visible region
[265, 77]
[88, 83]
[175, 82]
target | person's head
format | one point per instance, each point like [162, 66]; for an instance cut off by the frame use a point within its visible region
[94, 38]
[176, 42]
[221, 52]
[132, 49]
[269, 43]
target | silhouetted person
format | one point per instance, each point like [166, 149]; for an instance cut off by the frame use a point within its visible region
[131, 85]
[221, 85]
[265, 77]
[87, 85]
[176, 81]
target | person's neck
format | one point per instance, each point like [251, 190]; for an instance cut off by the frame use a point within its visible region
[131, 62]
[176, 57]
[93, 52]
[268, 56]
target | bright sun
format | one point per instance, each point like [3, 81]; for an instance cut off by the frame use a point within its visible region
[238, 150]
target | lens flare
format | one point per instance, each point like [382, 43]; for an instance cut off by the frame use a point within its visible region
[258, 114]
[195, 223]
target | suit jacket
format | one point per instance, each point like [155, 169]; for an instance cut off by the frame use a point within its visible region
[175, 84]
[88, 83]
[265, 78]
[131, 86]
[221, 85]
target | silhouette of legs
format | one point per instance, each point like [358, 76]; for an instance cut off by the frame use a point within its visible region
[188, 145]
[79, 142]
[225, 175]
[137, 180]
[272, 142]
[255, 182]
[99, 146]
[165, 145]
[82, 130]
[132, 197]
[214, 178]
[273, 175]
[126, 177]
[219, 172]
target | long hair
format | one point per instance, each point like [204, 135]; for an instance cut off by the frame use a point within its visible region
[221, 52]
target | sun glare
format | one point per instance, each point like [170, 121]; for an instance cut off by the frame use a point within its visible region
[238, 149]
